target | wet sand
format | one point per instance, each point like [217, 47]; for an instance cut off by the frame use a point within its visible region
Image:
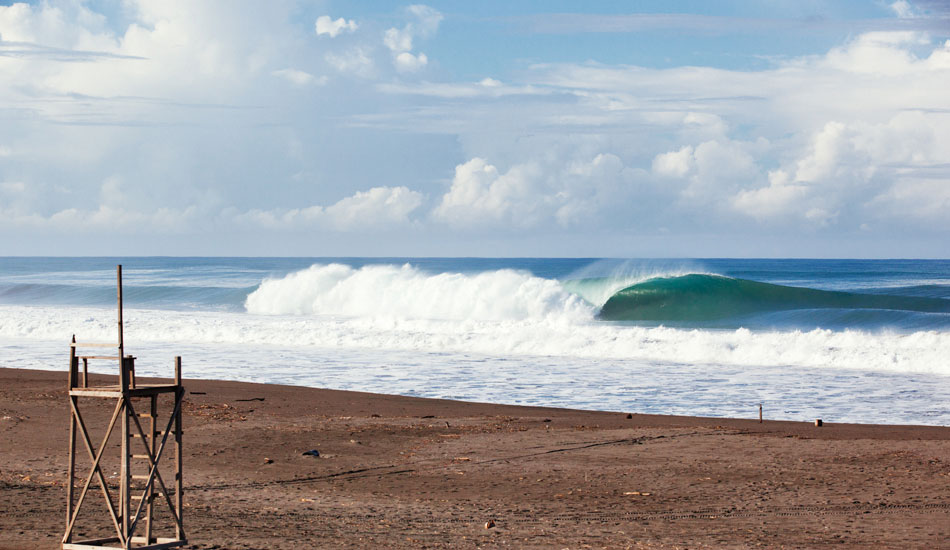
[400, 472]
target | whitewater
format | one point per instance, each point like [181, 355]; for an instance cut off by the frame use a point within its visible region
[847, 341]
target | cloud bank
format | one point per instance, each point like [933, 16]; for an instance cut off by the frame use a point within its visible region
[180, 119]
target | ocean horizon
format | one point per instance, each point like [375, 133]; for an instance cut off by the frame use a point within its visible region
[843, 340]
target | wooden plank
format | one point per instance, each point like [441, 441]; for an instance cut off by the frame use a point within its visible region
[98, 541]
[146, 391]
[95, 544]
[95, 392]
[163, 545]
[109, 357]
[75, 344]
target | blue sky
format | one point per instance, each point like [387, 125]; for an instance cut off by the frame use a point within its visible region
[623, 129]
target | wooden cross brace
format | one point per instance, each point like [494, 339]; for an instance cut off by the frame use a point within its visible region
[125, 405]
[154, 474]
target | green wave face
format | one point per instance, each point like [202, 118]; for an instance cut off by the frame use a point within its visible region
[710, 297]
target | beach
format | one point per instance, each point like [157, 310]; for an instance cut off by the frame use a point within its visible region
[405, 472]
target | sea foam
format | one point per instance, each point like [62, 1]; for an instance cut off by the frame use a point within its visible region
[553, 336]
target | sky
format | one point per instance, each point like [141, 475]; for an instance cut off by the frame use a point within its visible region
[760, 128]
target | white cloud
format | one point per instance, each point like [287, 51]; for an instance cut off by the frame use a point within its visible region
[713, 166]
[904, 9]
[846, 166]
[878, 53]
[12, 187]
[104, 219]
[772, 203]
[921, 202]
[380, 206]
[398, 40]
[208, 105]
[356, 61]
[300, 78]
[480, 193]
[406, 62]
[424, 22]
[826, 149]
[377, 208]
[334, 27]
[674, 164]
[554, 191]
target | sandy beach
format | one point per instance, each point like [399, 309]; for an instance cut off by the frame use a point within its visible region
[400, 472]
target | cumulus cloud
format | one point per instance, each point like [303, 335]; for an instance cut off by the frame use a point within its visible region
[172, 106]
[424, 22]
[398, 40]
[565, 193]
[674, 164]
[379, 207]
[850, 167]
[408, 62]
[921, 202]
[334, 27]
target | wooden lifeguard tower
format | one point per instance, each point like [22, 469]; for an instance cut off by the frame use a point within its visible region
[136, 412]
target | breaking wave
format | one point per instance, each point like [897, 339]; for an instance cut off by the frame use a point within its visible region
[409, 293]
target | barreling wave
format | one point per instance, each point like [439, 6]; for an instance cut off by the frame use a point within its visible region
[699, 297]
[408, 293]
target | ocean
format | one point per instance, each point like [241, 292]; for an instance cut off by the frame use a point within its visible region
[841, 340]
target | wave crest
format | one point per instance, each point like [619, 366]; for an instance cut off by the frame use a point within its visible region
[406, 292]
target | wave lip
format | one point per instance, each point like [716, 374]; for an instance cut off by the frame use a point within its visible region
[409, 293]
[698, 297]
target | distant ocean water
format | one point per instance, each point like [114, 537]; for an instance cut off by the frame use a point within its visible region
[843, 340]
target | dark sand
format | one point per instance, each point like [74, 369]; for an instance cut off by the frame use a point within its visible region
[398, 472]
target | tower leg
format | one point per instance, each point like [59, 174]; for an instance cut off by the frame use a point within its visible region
[179, 485]
[125, 506]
